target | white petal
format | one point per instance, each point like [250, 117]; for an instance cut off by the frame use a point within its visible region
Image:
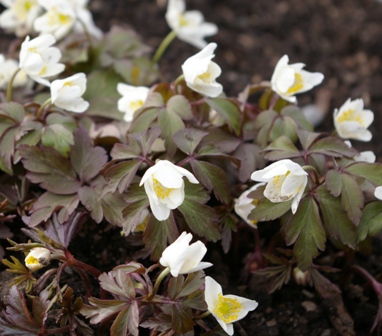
[378, 192]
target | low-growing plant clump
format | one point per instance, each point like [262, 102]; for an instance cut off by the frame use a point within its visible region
[90, 136]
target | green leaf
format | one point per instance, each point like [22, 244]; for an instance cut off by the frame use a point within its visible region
[159, 234]
[200, 218]
[305, 230]
[86, 160]
[58, 137]
[250, 160]
[213, 178]
[283, 126]
[136, 71]
[120, 175]
[182, 321]
[371, 221]
[332, 146]
[144, 119]
[336, 222]
[298, 116]
[181, 106]
[145, 139]
[281, 148]
[333, 182]
[369, 171]
[50, 169]
[266, 210]
[307, 138]
[188, 139]
[229, 110]
[195, 192]
[127, 321]
[132, 215]
[101, 93]
[47, 204]
[352, 198]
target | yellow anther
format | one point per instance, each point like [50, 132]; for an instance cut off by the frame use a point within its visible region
[183, 21]
[298, 84]
[31, 260]
[135, 105]
[161, 191]
[227, 309]
[349, 115]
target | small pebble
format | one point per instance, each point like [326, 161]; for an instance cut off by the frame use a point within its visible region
[271, 323]
[309, 306]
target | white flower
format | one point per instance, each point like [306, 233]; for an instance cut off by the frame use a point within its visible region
[244, 205]
[289, 79]
[37, 258]
[200, 72]
[66, 93]
[19, 16]
[366, 156]
[84, 19]
[133, 98]
[58, 19]
[226, 308]
[286, 180]
[164, 187]
[351, 121]
[183, 258]
[189, 26]
[7, 68]
[378, 192]
[39, 60]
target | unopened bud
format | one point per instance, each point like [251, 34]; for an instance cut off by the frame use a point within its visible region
[37, 258]
[301, 278]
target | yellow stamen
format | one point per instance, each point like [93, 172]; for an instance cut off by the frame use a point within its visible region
[255, 201]
[298, 84]
[206, 77]
[227, 309]
[349, 115]
[43, 71]
[161, 191]
[31, 260]
[135, 105]
[142, 226]
[183, 21]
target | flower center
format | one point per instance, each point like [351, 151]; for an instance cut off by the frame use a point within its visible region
[183, 22]
[279, 180]
[22, 8]
[298, 84]
[135, 105]
[56, 18]
[349, 115]
[161, 191]
[227, 309]
[31, 260]
[205, 77]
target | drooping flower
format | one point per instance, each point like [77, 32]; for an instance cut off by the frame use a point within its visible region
[58, 19]
[67, 93]
[7, 68]
[378, 193]
[164, 187]
[19, 16]
[37, 258]
[351, 121]
[244, 205]
[133, 98]
[39, 60]
[200, 72]
[285, 180]
[189, 26]
[226, 308]
[366, 156]
[289, 79]
[183, 258]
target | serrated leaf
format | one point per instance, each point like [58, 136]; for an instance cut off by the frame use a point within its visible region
[121, 174]
[47, 204]
[86, 160]
[201, 219]
[332, 146]
[333, 182]
[50, 169]
[182, 321]
[145, 119]
[305, 231]
[283, 126]
[298, 116]
[170, 123]
[181, 106]
[195, 192]
[281, 148]
[229, 110]
[352, 198]
[307, 138]
[159, 234]
[371, 221]
[127, 321]
[58, 137]
[188, 139]
[132, 215]
[266, 210]
[336, 222]
[100, 310]
[213, 178]
[145, 139]
[369, 171]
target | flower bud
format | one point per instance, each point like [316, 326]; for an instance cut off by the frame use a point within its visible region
[37, 258]
[301, 278]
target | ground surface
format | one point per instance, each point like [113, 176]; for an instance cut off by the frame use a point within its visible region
[340, 38]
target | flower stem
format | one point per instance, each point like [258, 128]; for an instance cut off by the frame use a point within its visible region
[202, 316]
[309, 168]
[10, 85]
[158, 282]
[163, 46]
[42, 107]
